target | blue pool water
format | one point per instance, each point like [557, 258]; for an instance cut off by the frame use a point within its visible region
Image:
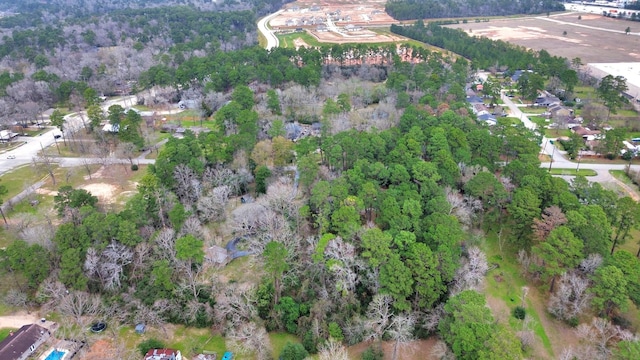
[56, 355]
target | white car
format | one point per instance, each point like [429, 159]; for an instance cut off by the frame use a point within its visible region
[11, 157]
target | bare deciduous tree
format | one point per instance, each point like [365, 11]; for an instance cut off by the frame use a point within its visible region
[192, 226]
[471, 274]
[441, 351]
[79, 306]
[108, 266]
[401, 332]
[599, 336]
[379, 315]
[235, 305]
[249, 338]
[589, 265]
[333, 350]
[50, 292]
[552, 217]
[188, 187]
[166, 241]
[571, 298]
[16, 298]
[212, 206]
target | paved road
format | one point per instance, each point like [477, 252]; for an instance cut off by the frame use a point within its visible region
[272, 40]
[25, 153]
[558, 158]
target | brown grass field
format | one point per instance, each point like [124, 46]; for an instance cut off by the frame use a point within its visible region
[594, 38]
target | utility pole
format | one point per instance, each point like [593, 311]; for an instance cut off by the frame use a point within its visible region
[551, 161]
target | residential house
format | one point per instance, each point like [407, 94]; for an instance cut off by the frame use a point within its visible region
[516, 75]
[474, 99]
[21, 344]
[547, 100]
[586, 133]
[163, 354]
[480, 109]
[574, 121]
[559, 111]
[216, 255]
[111, 128]
[489, 119]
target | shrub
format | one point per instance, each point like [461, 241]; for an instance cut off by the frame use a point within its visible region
[150, 344]
[519, 313]
[573, 322]
[134, 167]
[293, 352]
[373, 353]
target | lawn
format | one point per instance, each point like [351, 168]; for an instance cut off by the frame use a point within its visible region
[538, 120]
[5, 332]
[573, 172]
[534, 110]
[553, 133]
[279, 340]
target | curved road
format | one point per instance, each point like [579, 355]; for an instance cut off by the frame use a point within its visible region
[272, 40]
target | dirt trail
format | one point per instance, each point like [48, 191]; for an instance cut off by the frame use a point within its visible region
[18, 320]
[630, 191]
[560, 335]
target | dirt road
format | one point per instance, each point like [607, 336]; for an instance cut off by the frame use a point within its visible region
[18, 320]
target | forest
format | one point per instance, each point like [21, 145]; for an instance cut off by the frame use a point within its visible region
[420, 9]
[374, 228]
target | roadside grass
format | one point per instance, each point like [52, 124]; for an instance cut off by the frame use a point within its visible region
[142, 107]
[573, 172]
[512, 120]
[554, 133]
[538, 110]
[34, 131]
[622, 176]
[279, 340]
[539, 121]
[18, 179]
[63, 149]
[8, 146]
[505, 282]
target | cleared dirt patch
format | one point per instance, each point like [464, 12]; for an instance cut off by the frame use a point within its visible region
[349, 20]
[18, 320]
[590, 38]
[415, 350]
[103, 191]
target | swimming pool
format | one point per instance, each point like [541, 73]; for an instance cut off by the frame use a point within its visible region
[56, 354]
